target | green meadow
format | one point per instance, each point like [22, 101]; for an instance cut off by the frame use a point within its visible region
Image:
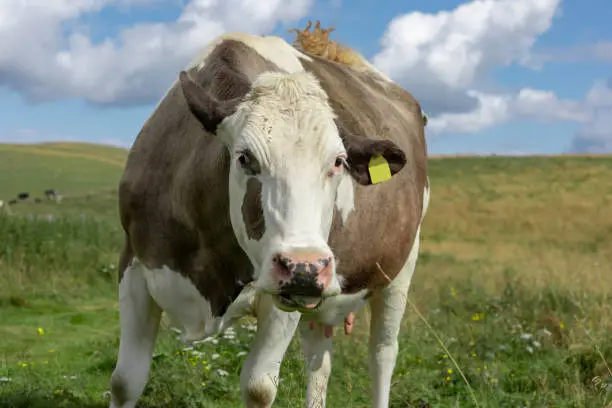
[510, 305]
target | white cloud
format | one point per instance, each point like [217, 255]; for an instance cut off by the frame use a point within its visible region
[445, 59]
[545, 106]
[37, 60]
[596, 135]
[494, 109]
[490, 110]
[456, 47]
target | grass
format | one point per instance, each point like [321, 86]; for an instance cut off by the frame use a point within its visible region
[513, 279]
[70, 168]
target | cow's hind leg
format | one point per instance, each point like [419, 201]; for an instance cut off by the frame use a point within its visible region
[259, 375]
[387, 311]
[139, 318]
[317, 349]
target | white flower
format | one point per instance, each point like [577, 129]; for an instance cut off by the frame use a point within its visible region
[251, 327]
[545, 332]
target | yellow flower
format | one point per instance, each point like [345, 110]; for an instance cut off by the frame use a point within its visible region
[561, 325]
[450, 371]
[447, 378]
[477, 316]
[41, 331]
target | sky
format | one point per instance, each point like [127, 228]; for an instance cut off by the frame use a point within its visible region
[494, 76]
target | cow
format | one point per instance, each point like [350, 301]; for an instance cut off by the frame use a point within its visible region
[248, 191]
[51, 194]
[23, 196]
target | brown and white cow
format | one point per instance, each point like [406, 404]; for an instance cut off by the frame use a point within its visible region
[247, 191]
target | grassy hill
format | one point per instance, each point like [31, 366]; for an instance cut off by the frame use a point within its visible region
[513, 278]
[86, 175]
[70, 168]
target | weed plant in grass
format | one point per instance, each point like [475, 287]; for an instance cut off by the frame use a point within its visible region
[55, 255]
[513, 277]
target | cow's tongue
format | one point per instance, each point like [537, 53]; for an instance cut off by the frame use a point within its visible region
[306, 302]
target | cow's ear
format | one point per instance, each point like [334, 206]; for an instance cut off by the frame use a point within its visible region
[360, 152]
[209, 110]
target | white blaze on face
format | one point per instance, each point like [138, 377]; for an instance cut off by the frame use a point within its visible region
[285, 136]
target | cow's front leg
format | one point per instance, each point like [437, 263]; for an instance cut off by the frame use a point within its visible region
[259, 375]
[139, 318]
[387, 311]
[317, 349]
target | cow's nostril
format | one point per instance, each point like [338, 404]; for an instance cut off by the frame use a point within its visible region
[283, 264]
[324, 262]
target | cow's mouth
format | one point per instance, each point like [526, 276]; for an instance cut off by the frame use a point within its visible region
[302, 304]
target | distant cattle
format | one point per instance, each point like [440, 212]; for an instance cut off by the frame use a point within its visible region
[51, 194]
[12, 202]
[274, 182]
[23, 196]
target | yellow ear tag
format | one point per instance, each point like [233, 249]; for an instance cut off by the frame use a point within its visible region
[379, 169]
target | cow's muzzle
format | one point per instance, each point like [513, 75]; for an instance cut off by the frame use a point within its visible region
[302, 278]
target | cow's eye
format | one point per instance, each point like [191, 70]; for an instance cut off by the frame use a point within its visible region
[340, 160]
[247, 163]
[243, 159]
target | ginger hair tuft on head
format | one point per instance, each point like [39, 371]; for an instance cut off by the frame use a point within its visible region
[318, 43]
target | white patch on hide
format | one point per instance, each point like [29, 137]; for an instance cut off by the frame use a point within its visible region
[187, 309]
[345, 196]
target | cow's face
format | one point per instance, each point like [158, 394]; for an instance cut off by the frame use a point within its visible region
[290, 166]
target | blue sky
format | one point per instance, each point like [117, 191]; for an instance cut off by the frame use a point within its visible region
[503, 76]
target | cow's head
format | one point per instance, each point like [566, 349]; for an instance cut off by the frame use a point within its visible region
[291, 163]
